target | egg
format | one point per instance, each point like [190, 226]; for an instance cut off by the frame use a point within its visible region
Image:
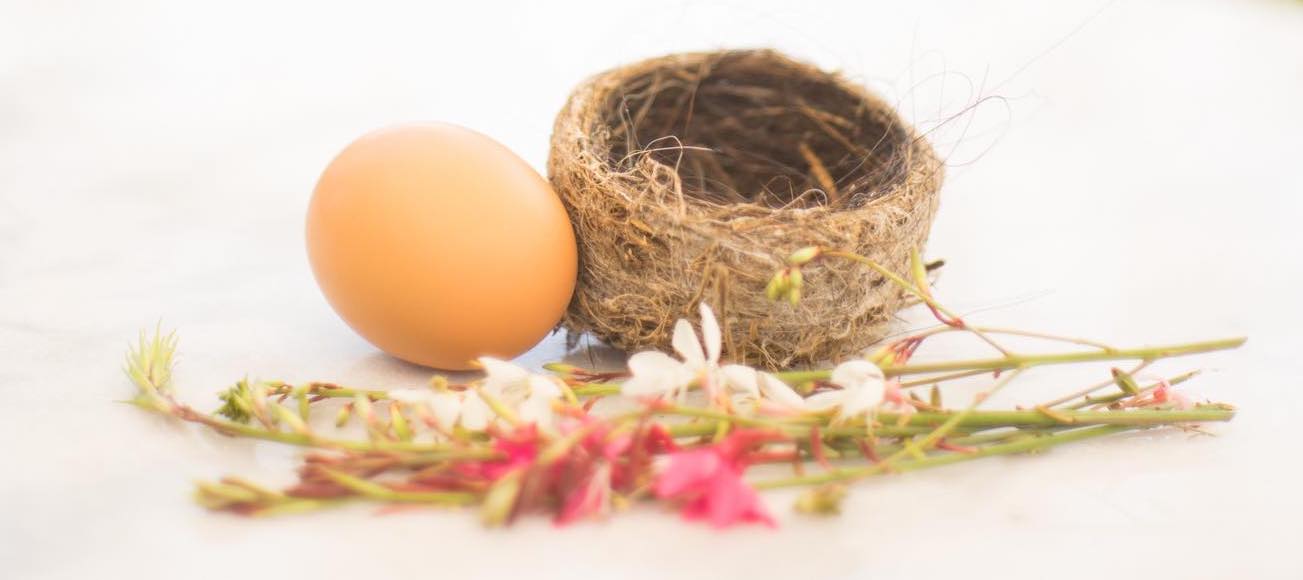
[438, 244]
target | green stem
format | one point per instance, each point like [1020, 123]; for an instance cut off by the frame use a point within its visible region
[596, 389]
[317, 390]
[1142, 365]
[709, 427]
[975, 420]
[226, 427]
[374, 491]
[919, 290]
[1018, 446]
[941, 378]
[1034, 418]
[944, 429]
[1031, 360]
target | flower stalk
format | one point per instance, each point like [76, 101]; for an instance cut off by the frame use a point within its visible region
[518, 442]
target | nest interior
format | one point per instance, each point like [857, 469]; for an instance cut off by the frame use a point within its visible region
[690, 177]
[741, 131]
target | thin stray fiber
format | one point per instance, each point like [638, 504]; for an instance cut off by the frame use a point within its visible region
[693, 176]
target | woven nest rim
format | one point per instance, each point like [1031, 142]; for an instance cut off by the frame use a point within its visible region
[664, 227]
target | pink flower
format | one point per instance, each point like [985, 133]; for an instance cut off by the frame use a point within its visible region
[591, 499]
[1165, 393]
[709, 481]
[519, 449]
[893, 398]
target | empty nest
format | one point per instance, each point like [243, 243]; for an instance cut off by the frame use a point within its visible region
[692, 177]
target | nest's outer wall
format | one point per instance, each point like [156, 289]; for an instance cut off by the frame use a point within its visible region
[648, 253]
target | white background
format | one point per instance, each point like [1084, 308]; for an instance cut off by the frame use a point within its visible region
[1137, 181]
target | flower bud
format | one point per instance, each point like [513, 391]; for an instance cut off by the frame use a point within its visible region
[774, 290]
[1125, 382]
[341, 418]
[258, 401]
[290, 418]
[884, 356]
[439, 383]
[796, 279]
[399, 422]
[822, 501]
[500, 502]
[804, 255]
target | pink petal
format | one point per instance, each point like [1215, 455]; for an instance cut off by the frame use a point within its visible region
[589, 499]
[728, 500]
[617, 446]
[687, 470]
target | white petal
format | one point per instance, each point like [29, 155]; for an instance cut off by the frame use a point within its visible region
[475, 413]
[645, 386]
[537, 409]
[860, 401]
[853, 373]
[825, 400]
[710, 333]
[652, 363]
[446, 407]
[779, 392]
[686, 344]
[741, 378]
[545, 387]
[502, 376]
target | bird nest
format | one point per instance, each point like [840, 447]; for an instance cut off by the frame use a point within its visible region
[692, 177]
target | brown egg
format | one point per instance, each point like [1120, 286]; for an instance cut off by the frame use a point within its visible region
[437, 244]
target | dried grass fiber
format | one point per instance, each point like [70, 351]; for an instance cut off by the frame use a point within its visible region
[692, 176]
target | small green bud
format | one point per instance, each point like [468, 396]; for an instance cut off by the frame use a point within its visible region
[439, 383]
[500, 502]
[822, 501]
[1125, 382]
[796, 279]
[774, 290]
[290, 418]
[216, 496]
[399, 422]
[258, 402]
[305, 406]
[362, 405]
[804, 255]
[882, 357]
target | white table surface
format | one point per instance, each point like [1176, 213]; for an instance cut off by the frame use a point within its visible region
[1138, 181]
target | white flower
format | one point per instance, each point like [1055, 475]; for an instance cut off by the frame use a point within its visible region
[656, 373]
[742, 379]
[537, 406]
[754, 385]
[862, 387]
[474, 412]
[530, 394]
[448, 408]
[774, 389]
[503, 379]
